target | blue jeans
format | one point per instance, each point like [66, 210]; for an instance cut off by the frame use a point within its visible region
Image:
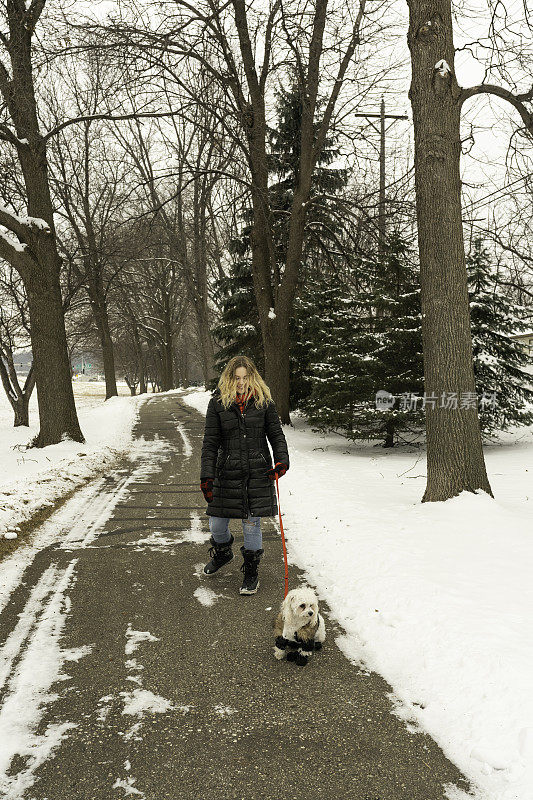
[251, 527]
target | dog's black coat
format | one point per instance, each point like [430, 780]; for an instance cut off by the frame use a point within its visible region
[296, 647]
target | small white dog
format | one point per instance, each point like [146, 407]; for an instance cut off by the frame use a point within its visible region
[298, 626]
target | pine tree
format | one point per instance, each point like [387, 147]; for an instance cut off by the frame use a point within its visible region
[367, 342]
[322, 228]
[338, 381]
[284, 161]
[238, 330]
[504, 387]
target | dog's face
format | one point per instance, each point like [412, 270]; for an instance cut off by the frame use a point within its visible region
[301, 606]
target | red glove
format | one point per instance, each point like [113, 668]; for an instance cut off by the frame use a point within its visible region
[279, 469]
[207, 488]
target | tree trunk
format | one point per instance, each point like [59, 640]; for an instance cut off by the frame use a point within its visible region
[205, 341]
[142, 374]
[131, 383]
[18, 398]
[167, 367]
[22, 415]
[166, 346]
[39, 266]
[388, 430]
[106, 342]
[274, 329]
[21, 409]
[57, 410]
[455, 459]
[276, 347]
[141, 366]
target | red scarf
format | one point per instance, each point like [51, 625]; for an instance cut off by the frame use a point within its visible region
[242, 399]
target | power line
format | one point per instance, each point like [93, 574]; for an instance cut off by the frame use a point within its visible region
[477, 203]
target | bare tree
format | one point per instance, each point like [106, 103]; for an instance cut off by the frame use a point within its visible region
[30, 242]
[91, 183]
[153, 302]
[455, 455]
[179, 192]
[14, 335]
[245, 50]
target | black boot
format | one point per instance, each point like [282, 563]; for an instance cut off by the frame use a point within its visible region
[221, 554]
[250, 567]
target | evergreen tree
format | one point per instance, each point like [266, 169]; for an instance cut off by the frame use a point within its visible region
[367, 342]
[322, 229]
[284, 162]
[238, 330]
[503, 385]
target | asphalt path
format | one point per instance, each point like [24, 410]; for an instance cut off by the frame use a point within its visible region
[165, 681]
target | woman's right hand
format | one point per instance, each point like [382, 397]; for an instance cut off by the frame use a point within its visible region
[207, 488]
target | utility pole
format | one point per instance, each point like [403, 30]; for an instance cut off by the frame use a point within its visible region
[382, 218]
[382, 224]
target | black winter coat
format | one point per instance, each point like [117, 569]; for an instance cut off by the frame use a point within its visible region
[236, 455]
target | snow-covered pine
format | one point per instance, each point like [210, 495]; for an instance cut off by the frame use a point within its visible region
[500, 363]
[364, 342]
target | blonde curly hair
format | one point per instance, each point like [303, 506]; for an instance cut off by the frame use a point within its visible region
[227, 383]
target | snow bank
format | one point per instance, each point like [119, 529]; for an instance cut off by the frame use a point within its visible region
[33, 479]
[436, 597]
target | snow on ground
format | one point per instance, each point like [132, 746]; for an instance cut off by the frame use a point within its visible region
[32, 659]
[127, 786]
[33, 479]
[27, 680]
[143, 701]
[134, 638]
[436, 597]
[139, 701]
[206, 596]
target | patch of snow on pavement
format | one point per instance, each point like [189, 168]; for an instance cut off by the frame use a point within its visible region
[28, 687]
[141, 701]
[155, 541]
[104, 707]
[133, 733]
[195, 534]
[206, 596]
[187, 449]
[131, 663]
[224, 711]
[135, 638]
[127, 786]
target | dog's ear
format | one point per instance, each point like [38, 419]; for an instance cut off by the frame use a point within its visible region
[285, 604]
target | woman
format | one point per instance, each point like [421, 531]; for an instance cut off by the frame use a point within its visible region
[237, 477]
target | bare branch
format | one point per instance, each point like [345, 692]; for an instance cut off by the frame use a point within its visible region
[108, 116]
[505, 94]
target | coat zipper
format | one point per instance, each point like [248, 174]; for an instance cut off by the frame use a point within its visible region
[246, 513]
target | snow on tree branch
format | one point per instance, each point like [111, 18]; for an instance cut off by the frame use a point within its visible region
[19, 224]
[443, 68]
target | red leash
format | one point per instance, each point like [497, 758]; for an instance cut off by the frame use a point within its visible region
[283, 541]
